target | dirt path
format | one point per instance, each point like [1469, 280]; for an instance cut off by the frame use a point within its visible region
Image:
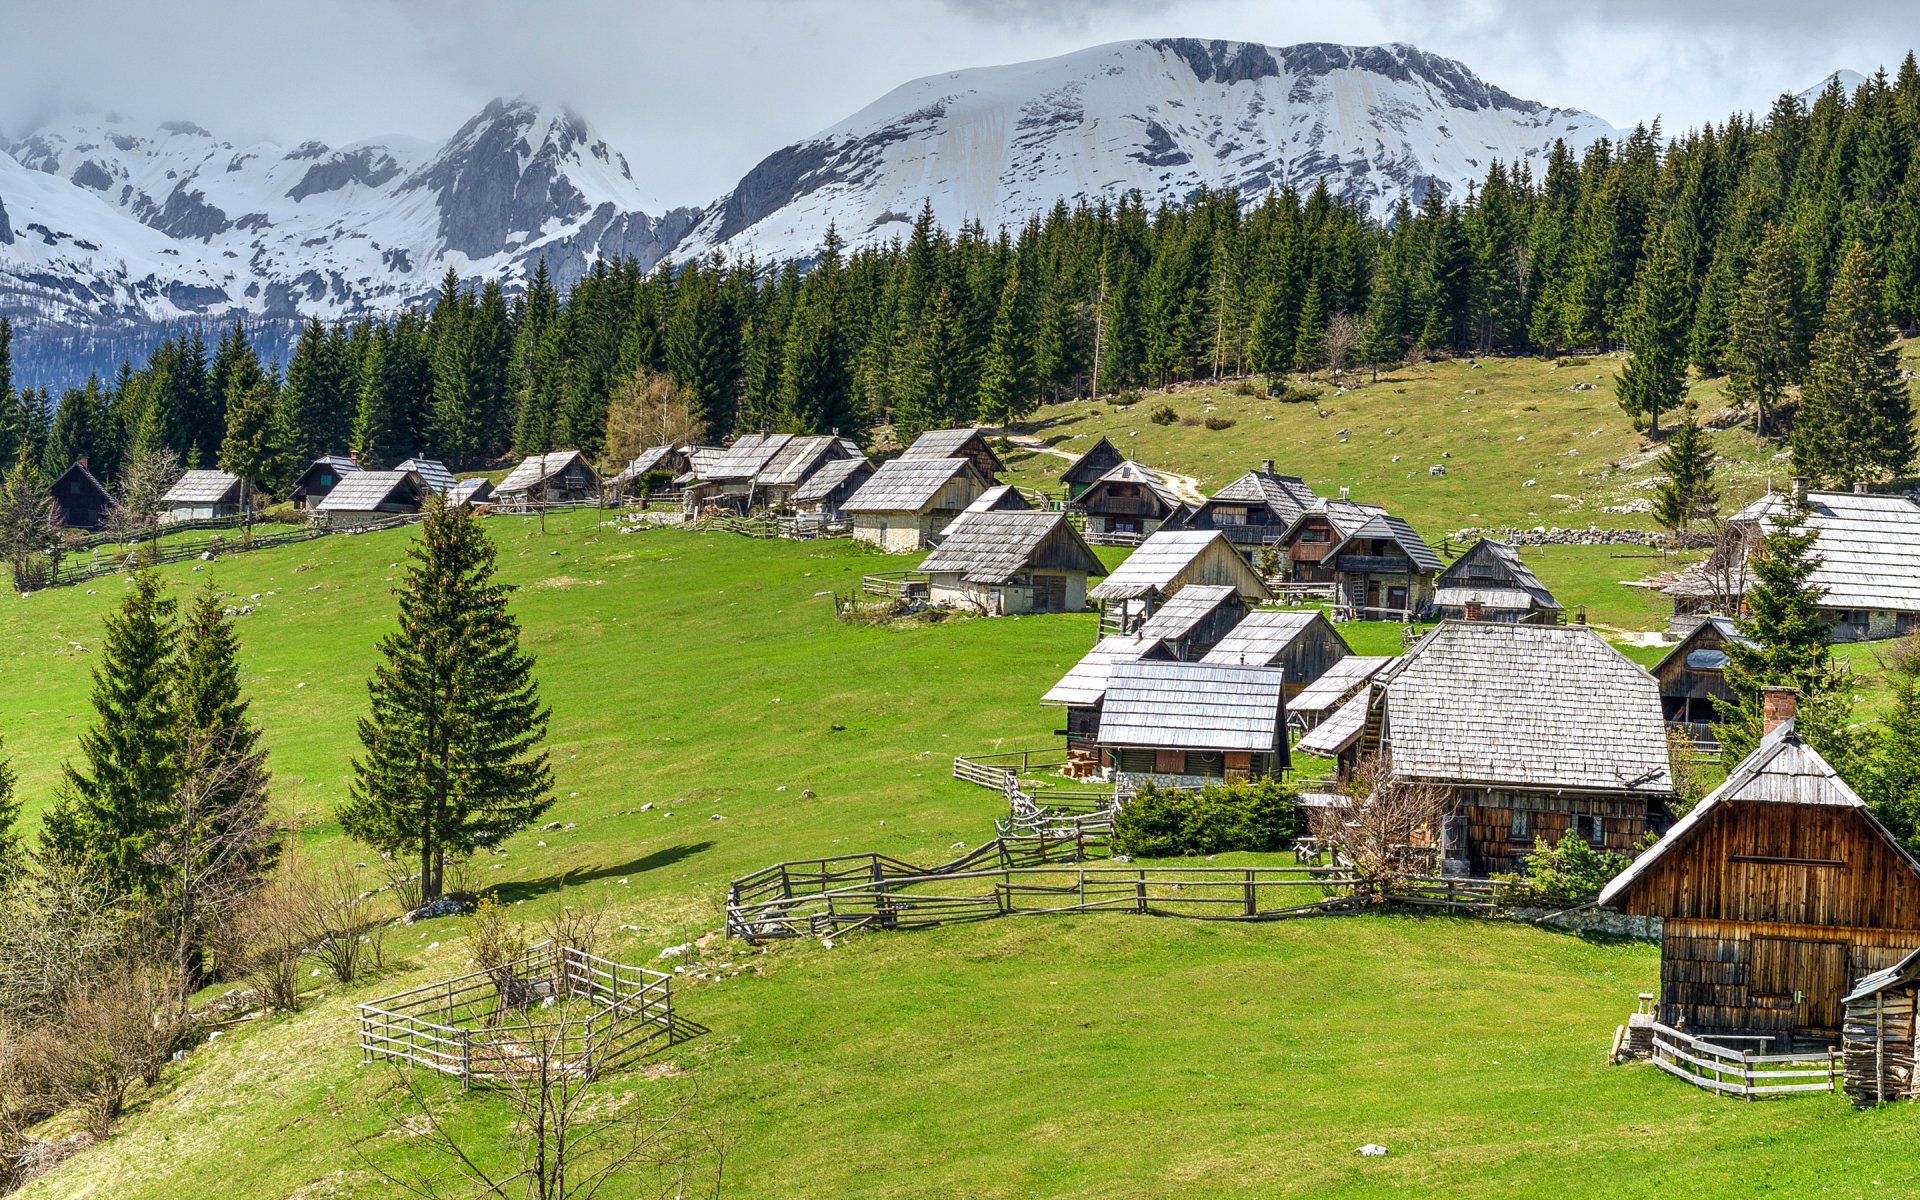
[1184, 486]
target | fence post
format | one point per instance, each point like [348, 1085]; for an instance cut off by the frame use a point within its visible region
[1140, 890]
[466, 1058]
[1253, 906]
[1746, 1073]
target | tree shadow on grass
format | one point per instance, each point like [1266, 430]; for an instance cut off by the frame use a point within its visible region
[527, 889]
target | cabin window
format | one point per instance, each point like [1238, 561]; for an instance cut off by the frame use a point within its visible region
[1517, 825]
[1596, 828]
[326, 480]
[1134, 762]
[1208, 763]
[1313, 535]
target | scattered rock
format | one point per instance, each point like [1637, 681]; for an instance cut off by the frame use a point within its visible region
[1372, 1150]
[645, 807]
[806, 793]
[445, 906]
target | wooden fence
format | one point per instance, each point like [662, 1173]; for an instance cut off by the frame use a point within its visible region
[478, 1027]
[1735, 1072]
[896, 585]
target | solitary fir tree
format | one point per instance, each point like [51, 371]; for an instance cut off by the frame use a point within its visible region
[1313, 327]
[1656, 327]
[1767, 341]
[1687, 494]
[251, 448]
[27, 530]
[1787, 644]
[452, 760]
[1856, 419]
[218, 737]
[113, 805]
[1893, 781]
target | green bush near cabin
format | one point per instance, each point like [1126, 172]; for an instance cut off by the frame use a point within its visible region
[1253, 815]
[1571, 872]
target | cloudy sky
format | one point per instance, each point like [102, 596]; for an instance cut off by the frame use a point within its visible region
[694, 93]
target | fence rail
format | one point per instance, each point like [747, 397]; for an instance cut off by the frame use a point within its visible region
[896, 585]
[1093, 538]
[478, 1026]
[1718, 1068]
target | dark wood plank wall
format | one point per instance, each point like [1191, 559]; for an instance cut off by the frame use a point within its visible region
[1309, 657]
[1732, 976]
[1489, 826]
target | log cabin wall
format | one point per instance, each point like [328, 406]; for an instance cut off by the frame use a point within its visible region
[1783, 979]
[1879, 1046]
[1498, 842]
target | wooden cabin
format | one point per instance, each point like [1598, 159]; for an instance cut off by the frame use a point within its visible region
[970, 444]
[726, 482]
[1492, 582]
[1321, 698]
[996, 563]
[1101, 457]
[432, 472]
[652, 470]
[366, 497]
[1001, 497]
[557, 477]
[1775, 893]
[1534, 730]
[476, 490]
[1301, 642]
[907, 502]
[1254, 510]
[1129, 501]
[1377, 566]
[823, 497]
[1186, 724]
[1166, 562]
[1082, 689]
[206, 496]
[792, 465]
[79, 500]
[1692, 677]
[1868, 572]
[320, 477]
[1194, 619]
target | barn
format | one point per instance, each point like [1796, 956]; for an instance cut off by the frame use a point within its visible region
[320, 477]
[79, 500]
[1692, 677]
[432, 472]
[793, 464]
[1100, 458]
[908, 501]
[1775, 893]
[557, 477]
[1127, 503]
[651, 470]
[1082, 689]
[1491, 579]
[365, 497]
[1301, 642]
[998, 563]
[1188, 724]
[1163, 564]
[205, 496]
[823, 497]
[970, 444]
[1254, 510]
[1194, 619]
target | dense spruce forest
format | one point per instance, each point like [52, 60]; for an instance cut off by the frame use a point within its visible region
[1720, 253]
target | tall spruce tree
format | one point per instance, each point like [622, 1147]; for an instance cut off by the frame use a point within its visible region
[1687, 494]
[252, 448]
[1656, 327]
[1767, 338]
[1787, 643]
[1856, 417]
[113, 805]
[452, 759]
[1892, 781]
[218, 737]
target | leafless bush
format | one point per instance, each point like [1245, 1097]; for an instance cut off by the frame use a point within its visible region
[344, 924]
[577, 925]
[499, 943]
[144, 480]
[59, 929]
[1386, 827]
[1338, 343]
[112, 1034]
[273, 935]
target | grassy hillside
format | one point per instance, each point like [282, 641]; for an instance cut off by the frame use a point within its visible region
[1098, 1055]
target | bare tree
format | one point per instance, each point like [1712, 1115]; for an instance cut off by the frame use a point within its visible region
[144, 480]
[116, 1031]
[59, 927]
[271, 931]
[568, 1139]
[648, 410]
[1385, 826]
[1343, 336]
[30, 541]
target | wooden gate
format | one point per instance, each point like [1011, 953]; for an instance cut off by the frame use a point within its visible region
[1049, 593]
[1801, 982]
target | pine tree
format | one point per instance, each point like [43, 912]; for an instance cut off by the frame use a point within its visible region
[1006, 379]
[1766, 342]
[929, 388]
[452, 760]
[1892, 782]
[1313, 327]
[12, 844]
[112, 807]
[1856, 418]
[1786, 643]
[251, 448]
[28, 533]
[1656, 329]
[218, 737]
[1687, 493]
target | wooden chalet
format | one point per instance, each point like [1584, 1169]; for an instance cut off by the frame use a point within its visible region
[652, 470]
[1320, 698]
[1129, 501]
[1868, 548]
[79, 499]
[206, 496]
[1378, 566]
[366, 497]
[1492, 582]
[476, 490]
[432, 472]
[1194, 619]
[792, 465]
[1693, 675]
[1533, 730]
[823, 497]
[1001, 497]
[1100, 458]
[557, 477]
[1775, 893]
[1301, 642]
[1254, 510]
[1187, 724]
[1163, 564]
[998, 563]
[320, 477]
[907, 502]
[1082, 689]
[725, 483]
[970, 444]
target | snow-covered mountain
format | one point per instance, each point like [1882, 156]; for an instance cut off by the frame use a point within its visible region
[1167, 117]
[111, 229]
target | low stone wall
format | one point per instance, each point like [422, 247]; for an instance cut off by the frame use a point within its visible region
[1542, 535]
[1592, 920]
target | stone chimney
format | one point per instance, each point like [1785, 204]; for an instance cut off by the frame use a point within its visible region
[1268, 465]
[1777, 705]
[1800, 488]
[1860, 487]
[1472, 610]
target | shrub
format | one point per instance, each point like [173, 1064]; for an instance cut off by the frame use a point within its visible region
[1218, 423]
[1164, 415]
[1299, 395]
[1572, 872]
[284, 513]
[1246, 387]
[1244, 815]
[1126, 399]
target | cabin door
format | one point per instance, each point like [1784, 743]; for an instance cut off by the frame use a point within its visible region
[1049, 593]
[1804, 978]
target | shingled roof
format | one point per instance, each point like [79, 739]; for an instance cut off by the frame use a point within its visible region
[953, 443]
[1185, 609]
[1086, 681]
[994, 547]
[1338, 682]
[1192, 706]
[1333, 735]
[366, 491]
[1542, 706]
[831, 475]
[1287, 495]
[534, 470]
[1132, 472]
[1160, 560]
[641, 463]
[1869, 547]
[748, 455]
[1264, 634]
[1097, 461]
[1492, 573]
[1387, 527]
[203, 487]
[432, 472]
[793, 462]
[908, 484]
